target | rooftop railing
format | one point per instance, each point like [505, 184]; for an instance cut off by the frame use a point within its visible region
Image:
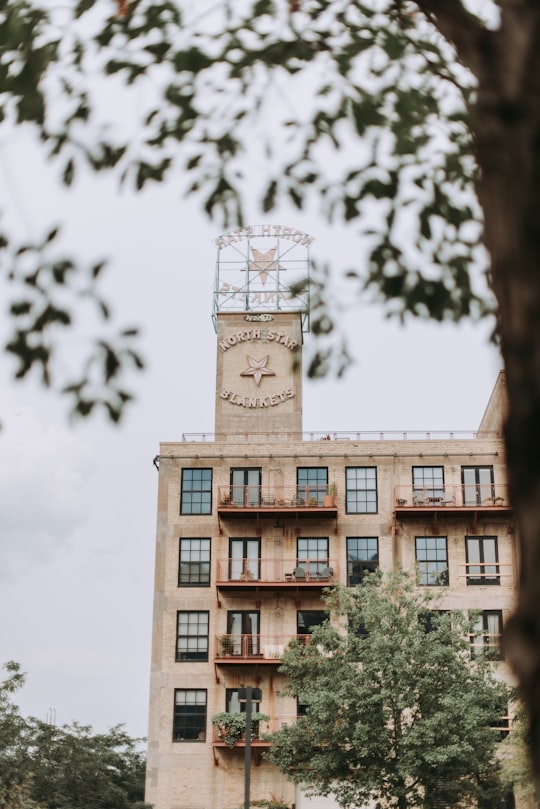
[342, 435]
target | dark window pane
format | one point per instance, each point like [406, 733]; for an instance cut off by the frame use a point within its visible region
[362, 558]
[312, 483]
[194, 564]
[189, 722]
[482, 560]
[429, 480]
[307, 620]
[432, 560]
[312, 557]
[196, 491]
[361, 490]
[192, 636]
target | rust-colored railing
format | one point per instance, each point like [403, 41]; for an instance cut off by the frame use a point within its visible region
[465, 495]
[277, 497]
[275, 571]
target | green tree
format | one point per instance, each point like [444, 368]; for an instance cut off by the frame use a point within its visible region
[397, 711]
[70, 767]
[412, 121]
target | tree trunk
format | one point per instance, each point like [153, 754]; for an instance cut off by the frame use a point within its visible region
[506, 122]
[506, 126]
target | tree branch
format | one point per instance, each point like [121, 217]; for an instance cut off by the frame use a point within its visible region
[470, 38]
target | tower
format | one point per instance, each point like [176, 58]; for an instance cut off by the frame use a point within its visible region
[261, 309]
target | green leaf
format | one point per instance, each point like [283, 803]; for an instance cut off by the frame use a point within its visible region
[83, 6]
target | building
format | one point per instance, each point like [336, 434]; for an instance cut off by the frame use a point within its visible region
[254, 520]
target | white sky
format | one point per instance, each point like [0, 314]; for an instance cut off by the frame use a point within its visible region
[77, 502]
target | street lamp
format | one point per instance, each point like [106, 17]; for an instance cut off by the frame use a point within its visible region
[249, 695]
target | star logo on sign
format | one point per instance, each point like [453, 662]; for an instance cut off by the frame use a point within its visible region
[264, 262]
[257, 369]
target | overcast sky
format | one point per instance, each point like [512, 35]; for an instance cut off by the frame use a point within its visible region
[77, 501]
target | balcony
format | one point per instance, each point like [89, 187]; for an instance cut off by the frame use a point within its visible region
[264, 727]
[252, 649]
[277, 499]
[284, 574]
[485, 497]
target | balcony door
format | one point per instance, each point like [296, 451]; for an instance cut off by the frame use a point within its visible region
[245, 559]
[243, 627]
[477, 484]
[246, 487]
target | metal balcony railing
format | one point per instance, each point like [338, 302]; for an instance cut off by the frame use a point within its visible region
[239, 648]
[277, 497]
[259, 730]
[276, 571]
[485, 495]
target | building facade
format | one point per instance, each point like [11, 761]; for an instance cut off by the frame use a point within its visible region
[256, 519]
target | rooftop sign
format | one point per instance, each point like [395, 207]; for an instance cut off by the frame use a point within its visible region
[263, 269]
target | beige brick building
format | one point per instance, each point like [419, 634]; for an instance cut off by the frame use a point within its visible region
[254, 520]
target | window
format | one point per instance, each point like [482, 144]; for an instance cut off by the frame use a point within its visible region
[312, 558]
[196, 491]
[486, 635]
[482, 560]
[312, 484]
[233, 705]
[189, 724]
[307, 620]
[191, 636]
[432, 560]
[244, 559]
[246, 487]
[243, 632]
[477, 484]
[430, 620]
[194, 564]
[362, 558]
[361, 482]
[428, 480]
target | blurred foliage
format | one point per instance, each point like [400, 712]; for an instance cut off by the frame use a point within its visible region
[70, 767]
[359, 107]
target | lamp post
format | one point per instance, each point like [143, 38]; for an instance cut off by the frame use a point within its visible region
[249, 695]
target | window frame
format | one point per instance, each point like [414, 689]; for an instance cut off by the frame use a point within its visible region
[366, 565]
[482, 641]
[200, 582]
[246, 642]
[325, 614]
[315, 566]
[199, 728]
[350, 490]
[482, 578]
[187, 491]
[483, 491]
[430, 488]
[184, 657]
[312, 489]
[251, 492]
[425, 576]
[245, 567]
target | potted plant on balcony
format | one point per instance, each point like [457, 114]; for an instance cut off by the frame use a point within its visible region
[225, 646]
[231, 727]
[329, 499]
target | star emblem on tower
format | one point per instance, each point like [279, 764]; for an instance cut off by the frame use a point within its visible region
[257, 369]
[264, 262]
